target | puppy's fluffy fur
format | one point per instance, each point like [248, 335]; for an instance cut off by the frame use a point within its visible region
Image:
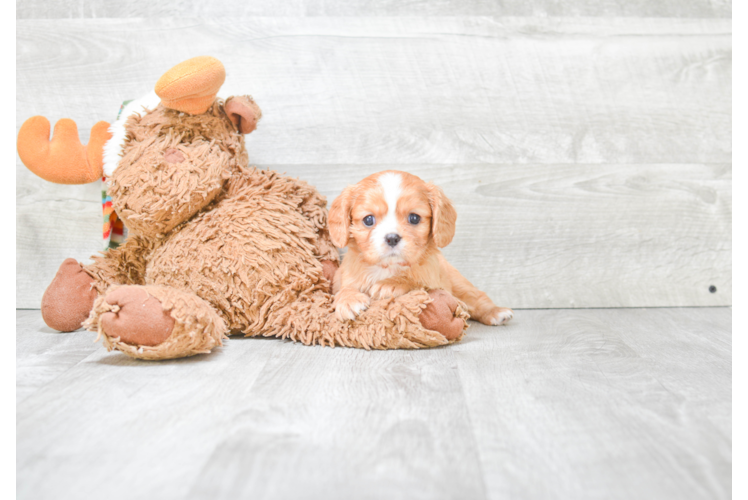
[393, 224]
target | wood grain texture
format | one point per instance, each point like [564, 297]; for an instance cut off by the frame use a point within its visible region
[389, 90]
[29, 9]
[737, 48]
[52, 223]
[626, 403]
[738, 192]
[348, 424]
[128, 429]
[603, 404]
[602, 146]
[43, 354]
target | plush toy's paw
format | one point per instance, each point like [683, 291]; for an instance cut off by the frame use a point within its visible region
[156, 322]
[496, 316]
[136, 317]
[69, 298]
[348, 305]
[384, 290]
[441, 315]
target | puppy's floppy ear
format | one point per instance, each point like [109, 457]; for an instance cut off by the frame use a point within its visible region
[443, 216]
[339, 218]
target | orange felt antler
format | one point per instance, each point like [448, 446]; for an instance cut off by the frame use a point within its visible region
[63, 160]
[191, 86]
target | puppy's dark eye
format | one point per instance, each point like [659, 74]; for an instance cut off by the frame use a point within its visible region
[414, 219]
[369, 220]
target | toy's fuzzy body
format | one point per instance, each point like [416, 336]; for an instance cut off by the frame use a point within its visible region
[217, 248]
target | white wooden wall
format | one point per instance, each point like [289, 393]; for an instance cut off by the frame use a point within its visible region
[587, 145]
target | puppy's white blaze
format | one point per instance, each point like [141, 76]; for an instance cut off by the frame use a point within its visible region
[390, 183]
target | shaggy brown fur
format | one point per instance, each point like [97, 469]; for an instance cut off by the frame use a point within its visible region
[228, 249]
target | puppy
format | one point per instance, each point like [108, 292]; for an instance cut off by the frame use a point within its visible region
[393, 224]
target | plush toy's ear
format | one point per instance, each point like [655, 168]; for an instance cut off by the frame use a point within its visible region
[443, 216]
[339, 219]
[243, 112]
[63, 160]
[191, 86]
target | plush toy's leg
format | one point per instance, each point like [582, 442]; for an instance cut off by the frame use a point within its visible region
[313, 206]
[69, 298]
[324, 249]
[415, 320]
[329, 268]
[156, 322]
[124, 265]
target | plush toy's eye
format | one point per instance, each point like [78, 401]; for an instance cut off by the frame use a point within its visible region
[369, 220]
[414, 219]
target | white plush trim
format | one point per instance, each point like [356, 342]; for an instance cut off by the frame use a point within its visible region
[113, 147]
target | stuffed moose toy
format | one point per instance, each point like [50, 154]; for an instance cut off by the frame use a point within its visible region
[214, 247]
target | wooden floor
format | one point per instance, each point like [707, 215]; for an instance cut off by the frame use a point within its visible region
[567, 404]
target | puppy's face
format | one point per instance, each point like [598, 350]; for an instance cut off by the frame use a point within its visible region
[392, 217]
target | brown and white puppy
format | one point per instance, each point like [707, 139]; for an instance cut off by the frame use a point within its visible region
[393, 224]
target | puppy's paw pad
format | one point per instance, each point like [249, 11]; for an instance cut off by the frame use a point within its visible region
[500, 316]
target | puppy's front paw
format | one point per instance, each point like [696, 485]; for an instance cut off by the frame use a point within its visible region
[348, 306]
[384, 290]
[497, 316]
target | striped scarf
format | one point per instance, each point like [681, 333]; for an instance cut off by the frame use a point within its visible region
[115, 231]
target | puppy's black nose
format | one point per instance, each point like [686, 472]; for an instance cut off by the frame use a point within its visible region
[392, 239]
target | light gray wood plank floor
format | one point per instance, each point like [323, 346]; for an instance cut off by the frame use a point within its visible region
[587, 403]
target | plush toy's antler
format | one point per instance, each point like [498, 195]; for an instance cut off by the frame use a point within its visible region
[191, 86]
[64, 160]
